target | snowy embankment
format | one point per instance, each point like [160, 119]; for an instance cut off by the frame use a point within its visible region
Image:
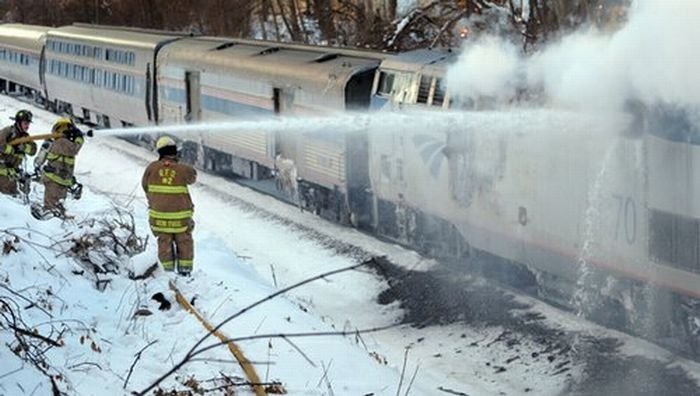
[111, 338]
[93, 336]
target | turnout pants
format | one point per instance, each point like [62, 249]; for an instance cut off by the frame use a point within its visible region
[176, 250]
[54, 195]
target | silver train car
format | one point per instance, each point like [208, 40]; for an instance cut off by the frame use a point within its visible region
[21, 52]
[215, 79]
[596, 216]
[101, 75]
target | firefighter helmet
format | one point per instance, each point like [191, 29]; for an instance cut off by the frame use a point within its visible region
[63, 126]
[165, 141]
[23, 115]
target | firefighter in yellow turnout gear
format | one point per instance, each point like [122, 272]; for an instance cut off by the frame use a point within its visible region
[60, 163]
[12, 156]
[170, 207]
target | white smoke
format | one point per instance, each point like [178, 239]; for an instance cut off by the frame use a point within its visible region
[653, 57]
[487, 68]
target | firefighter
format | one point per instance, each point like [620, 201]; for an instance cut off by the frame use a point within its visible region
[57, 175]
[12, 156]
[170, 207]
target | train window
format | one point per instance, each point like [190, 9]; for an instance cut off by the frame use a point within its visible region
[386, 83]
[439, 95]
[675, 240]
[424, 89]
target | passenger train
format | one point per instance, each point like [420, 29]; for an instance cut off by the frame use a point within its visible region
[605, 221]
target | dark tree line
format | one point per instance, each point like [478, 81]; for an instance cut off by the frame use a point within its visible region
[358, 23]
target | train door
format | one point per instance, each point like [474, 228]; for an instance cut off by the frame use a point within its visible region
[42, 74]
[194, 97]
[149, 89]
[358, 91]
[285, 142]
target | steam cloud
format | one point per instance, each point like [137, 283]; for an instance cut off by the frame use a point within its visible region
[653, 58]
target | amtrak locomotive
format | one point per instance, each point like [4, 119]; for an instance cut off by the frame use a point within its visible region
[598, 216]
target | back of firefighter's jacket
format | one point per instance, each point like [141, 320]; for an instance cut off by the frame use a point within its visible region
[170, 206]
[60, 160]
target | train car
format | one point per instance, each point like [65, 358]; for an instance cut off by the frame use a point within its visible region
[595, 214]
[21, 49]
[214, 79]
[104, 75]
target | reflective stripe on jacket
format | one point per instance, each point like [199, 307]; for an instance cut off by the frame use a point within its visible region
[60, 160]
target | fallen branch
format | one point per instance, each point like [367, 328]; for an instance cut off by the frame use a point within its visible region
[35, 335]
[196, 350]
[452, 392]
[136, 359]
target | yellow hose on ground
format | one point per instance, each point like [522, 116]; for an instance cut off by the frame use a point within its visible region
[247, 367]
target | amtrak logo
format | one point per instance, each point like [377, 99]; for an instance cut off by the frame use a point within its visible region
[431, 151]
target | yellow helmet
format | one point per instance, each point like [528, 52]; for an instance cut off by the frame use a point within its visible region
[165, 141]
[62, 126]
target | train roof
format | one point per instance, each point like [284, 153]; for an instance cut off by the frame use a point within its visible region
[436, 59]
[299, 64]
[23, 36]
[138, 38]
[345, 51]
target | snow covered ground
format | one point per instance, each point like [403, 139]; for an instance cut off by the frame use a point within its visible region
[248, 246]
